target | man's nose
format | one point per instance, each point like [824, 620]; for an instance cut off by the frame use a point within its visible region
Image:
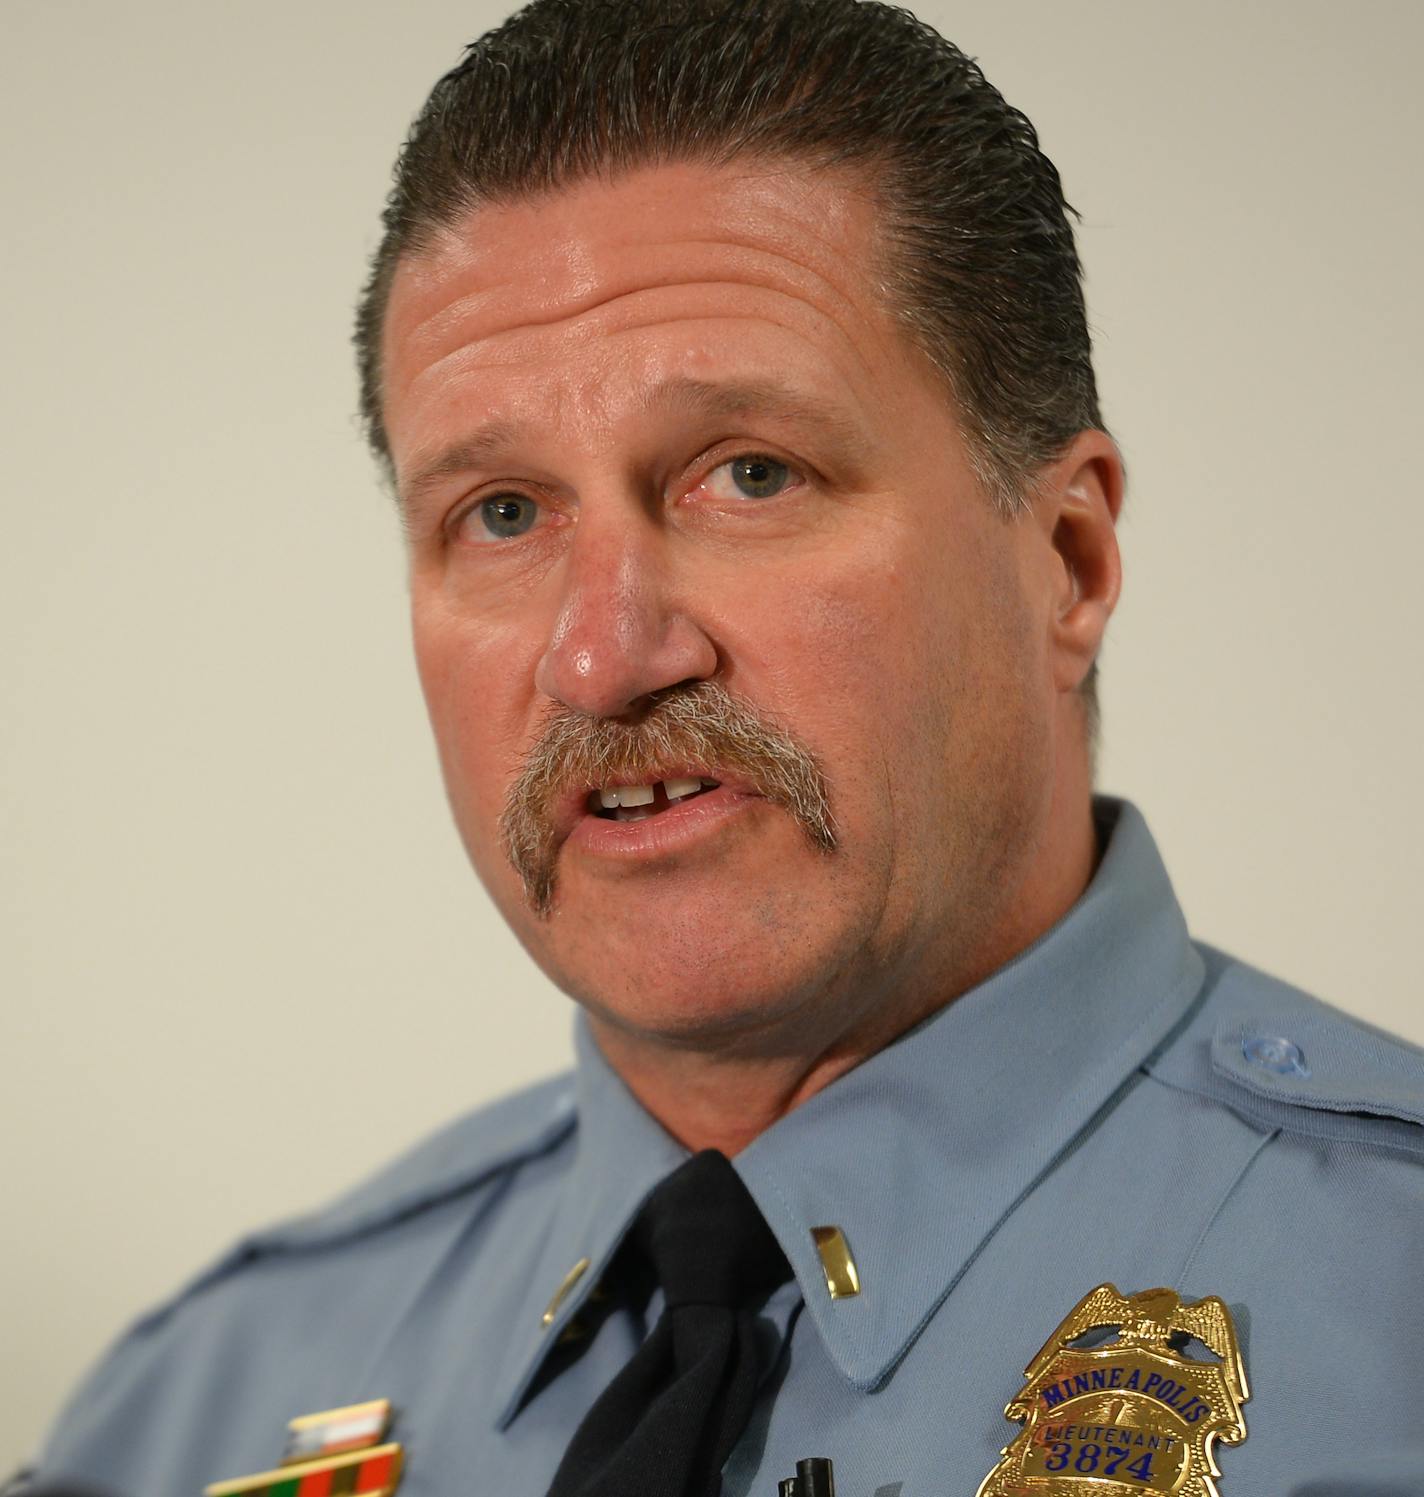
[622, 631]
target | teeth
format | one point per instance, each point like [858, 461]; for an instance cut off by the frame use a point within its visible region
[611, 797]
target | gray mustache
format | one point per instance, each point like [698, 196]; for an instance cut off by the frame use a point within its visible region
[699, 725]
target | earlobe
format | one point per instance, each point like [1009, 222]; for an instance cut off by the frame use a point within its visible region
[1078, 506]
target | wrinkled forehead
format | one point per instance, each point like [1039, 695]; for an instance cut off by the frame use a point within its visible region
[562, 236]
[785, 264]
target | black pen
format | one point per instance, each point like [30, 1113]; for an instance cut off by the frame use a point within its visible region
[814, 1477]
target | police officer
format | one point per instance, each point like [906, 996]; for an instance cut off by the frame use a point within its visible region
[730, 364]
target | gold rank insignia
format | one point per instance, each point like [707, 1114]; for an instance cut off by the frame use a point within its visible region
[1130, 1413]
[341, 1453]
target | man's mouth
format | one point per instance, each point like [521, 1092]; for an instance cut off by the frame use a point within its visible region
[638, 802]
[697, 742]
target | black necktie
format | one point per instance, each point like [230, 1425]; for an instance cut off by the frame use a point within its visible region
[667, 1423]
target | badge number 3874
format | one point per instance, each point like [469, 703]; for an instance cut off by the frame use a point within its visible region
[1129, 1413]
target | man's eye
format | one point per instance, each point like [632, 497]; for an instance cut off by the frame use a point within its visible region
[505, 517]
[753, 476]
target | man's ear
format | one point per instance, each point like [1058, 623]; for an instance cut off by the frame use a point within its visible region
[1077, 499]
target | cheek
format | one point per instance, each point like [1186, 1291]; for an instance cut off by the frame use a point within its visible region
[875, 645]
[903, 672]
[471, 677]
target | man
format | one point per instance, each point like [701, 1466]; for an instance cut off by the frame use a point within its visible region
[731, 369]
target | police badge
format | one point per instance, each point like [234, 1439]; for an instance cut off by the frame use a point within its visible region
[1131, 1413]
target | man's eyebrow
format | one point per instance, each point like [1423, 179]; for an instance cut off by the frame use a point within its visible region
[709, 399]
[469, 452]
[725, 399]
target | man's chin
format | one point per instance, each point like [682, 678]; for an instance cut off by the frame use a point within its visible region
[721, 947]
[731, 1025]
[735, 988]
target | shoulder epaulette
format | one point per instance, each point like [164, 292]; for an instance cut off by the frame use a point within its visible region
[1286, 1060]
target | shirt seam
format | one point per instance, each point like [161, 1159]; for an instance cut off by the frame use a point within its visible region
[1262, 1141]
[1313, 1125]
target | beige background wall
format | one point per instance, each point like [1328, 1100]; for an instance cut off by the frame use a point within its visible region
[242, 957]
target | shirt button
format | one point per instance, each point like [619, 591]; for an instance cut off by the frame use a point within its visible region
[1272, 1053]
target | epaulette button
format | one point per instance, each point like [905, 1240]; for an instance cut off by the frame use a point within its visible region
[1281, 1057]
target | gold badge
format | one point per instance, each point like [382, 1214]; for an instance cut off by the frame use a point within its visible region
[1129, 1413]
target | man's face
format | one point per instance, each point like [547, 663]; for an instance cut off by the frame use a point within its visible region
[665, 431]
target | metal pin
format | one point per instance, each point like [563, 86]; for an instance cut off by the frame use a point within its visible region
[842, 1278]
[551, 1314]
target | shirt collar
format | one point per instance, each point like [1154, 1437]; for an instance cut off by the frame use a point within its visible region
[621, 1155]
[980, 1099]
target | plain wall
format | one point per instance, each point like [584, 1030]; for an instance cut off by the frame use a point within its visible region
[243, 958]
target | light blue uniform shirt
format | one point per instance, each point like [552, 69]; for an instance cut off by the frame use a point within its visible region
[1117, 1104]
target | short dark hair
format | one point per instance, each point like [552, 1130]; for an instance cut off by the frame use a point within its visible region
[981, 263]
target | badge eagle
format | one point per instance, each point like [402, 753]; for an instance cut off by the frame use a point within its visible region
[1129, 1414]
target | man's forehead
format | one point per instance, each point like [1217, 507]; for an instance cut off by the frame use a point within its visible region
[661, 202]
[665, 253]
[538, 260]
